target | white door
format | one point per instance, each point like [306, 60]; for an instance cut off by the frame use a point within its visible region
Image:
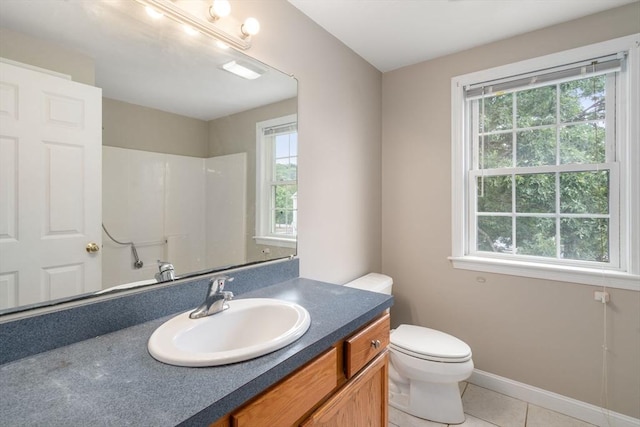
[50, 186]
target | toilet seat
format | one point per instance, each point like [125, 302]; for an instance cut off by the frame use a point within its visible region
[429, 344]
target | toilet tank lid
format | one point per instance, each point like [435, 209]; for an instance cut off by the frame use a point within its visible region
[374, 282]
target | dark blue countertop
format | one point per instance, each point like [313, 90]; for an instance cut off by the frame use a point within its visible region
[112, 380]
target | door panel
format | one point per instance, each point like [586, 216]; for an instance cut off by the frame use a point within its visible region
[9, 191]
[63, 208]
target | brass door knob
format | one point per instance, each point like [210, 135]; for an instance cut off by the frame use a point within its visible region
[92, 248]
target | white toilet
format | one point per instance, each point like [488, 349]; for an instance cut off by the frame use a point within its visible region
[425, 365]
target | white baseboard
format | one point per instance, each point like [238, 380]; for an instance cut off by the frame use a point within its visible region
[553, 401]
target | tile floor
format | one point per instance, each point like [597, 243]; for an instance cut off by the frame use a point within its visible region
[486, 408]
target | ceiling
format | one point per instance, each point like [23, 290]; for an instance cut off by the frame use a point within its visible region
[146, 62]
[391, 34]
[134, 57]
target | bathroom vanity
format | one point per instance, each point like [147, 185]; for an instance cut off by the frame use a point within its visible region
[346, 385]
[111, 379]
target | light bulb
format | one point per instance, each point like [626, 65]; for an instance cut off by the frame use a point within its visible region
[153, 13]
[250, 27]
[220, 9]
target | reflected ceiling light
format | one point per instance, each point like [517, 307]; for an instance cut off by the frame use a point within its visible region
[153, 13]
[222, 45]
[190, 30]
[202, 24]
[243, 69]
[219, 9]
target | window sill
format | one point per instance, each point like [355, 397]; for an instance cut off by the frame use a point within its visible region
[562, 273]
[281, 242]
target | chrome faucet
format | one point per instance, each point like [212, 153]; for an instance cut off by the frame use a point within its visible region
[216, 300]
[167, 272]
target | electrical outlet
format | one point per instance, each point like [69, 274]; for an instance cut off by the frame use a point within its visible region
[601, 296]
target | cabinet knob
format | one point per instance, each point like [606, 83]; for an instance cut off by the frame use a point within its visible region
[375, 344]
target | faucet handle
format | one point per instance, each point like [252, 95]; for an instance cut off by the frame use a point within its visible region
[216, 284]
[164, 266]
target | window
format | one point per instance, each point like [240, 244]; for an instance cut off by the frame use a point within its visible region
[545, 167]
[277, 186]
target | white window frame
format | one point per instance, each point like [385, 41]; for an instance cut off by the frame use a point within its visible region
[264, 168]
[625, 275]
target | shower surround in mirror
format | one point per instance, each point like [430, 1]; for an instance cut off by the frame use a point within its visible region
[173, 208]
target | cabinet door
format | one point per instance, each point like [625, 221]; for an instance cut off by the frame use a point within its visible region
[362, 402]
[289, 400]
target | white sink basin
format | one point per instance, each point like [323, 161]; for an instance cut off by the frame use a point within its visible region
[247, 329]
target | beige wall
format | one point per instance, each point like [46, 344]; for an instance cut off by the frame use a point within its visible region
[237, 134]
[543, 333]
[141, 128]
[44, 54]
[339, 99]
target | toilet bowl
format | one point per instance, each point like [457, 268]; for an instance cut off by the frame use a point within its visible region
[425, 366]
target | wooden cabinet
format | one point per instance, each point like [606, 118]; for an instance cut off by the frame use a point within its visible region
[361, 402]
[345, 386]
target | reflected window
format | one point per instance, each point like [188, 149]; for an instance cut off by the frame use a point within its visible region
[277, 182]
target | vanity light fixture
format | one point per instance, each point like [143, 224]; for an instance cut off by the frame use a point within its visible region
[243, 69]
[251, 27]
[219, 9]
[210, 24]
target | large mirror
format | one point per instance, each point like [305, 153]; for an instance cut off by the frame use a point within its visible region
[172, 158]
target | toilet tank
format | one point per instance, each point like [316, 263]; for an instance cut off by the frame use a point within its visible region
[373, 282]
